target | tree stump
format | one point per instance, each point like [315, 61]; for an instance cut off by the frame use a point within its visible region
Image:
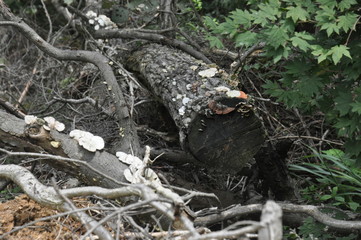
[219, 128]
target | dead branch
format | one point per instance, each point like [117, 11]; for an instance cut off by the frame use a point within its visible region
[153, 37]
[46, 196]
[130, 142]
[310, 210]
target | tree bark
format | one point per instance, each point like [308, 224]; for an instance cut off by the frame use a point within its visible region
[219, 131]
[104, 168]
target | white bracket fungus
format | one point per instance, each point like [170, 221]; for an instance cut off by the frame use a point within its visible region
[231, 93]
[87, 140]
[138, 170]
[100, 21]
[211, 72]
[48, 123]
[53, 124]
[222, 89]
[30, 119]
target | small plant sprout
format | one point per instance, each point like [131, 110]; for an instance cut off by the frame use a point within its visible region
[87, 140]
[53, 124]
[30, 119]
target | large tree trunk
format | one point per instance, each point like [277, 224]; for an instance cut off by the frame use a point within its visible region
[220, 131]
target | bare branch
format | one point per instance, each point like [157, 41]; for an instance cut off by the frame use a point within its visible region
[130, 140]
[46, 196]
[310, 210]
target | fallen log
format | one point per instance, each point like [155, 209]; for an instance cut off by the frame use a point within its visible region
[218, 126]
[98, 168]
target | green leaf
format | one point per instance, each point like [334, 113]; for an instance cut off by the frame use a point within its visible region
[278, 54]
[267, 13]
[304, 35]
[334, 152]
[215, 42]
[325, 197]
[297, 13]
[327, 3]
[334, 191]
[297, 68]
[246, 39]
[227, 27]
[310, 85]
[340, 199]
[346, 4]
[210, 22]
[320, 53]
[300, 43]
[347, 21]
[276, 36]
[353, 205]
[356, 107]
[330, 28]
[353, 147]
[343, 103]
[338, 51]
[243, 18]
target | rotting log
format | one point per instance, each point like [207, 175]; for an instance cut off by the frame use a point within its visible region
[221, 132]
[17, 136]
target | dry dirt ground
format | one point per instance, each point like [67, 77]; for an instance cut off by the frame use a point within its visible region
[22, 210]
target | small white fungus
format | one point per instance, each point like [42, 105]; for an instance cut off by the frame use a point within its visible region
[208, 73]
[53, 124]
[233, 94]
[185, 100]
[30, 119]
[182, 110]
[91, 14]
[222, 89]
[87, 140]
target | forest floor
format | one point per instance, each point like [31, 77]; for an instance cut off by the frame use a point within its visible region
[16, 213]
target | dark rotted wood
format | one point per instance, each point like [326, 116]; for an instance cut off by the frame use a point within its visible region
[271, 163]
[222, 139]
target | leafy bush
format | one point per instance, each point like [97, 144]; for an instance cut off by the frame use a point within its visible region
[338, 180]
[311, 230]
[316, 49]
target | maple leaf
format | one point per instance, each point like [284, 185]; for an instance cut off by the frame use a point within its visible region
[356, 107]
[243, 18]
[300, 43]
[328, 3]
[343, 103]
[346, 4]
[215, 42]
[297, 13]
[277, 36]
[338, 51]
[246, 39]
[347, 21]
[330, 28]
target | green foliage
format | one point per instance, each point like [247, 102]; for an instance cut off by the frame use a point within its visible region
[66, 81]
[338, 180]
[315, 47]
[8, 194]
[197, 4]
[311, 230]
